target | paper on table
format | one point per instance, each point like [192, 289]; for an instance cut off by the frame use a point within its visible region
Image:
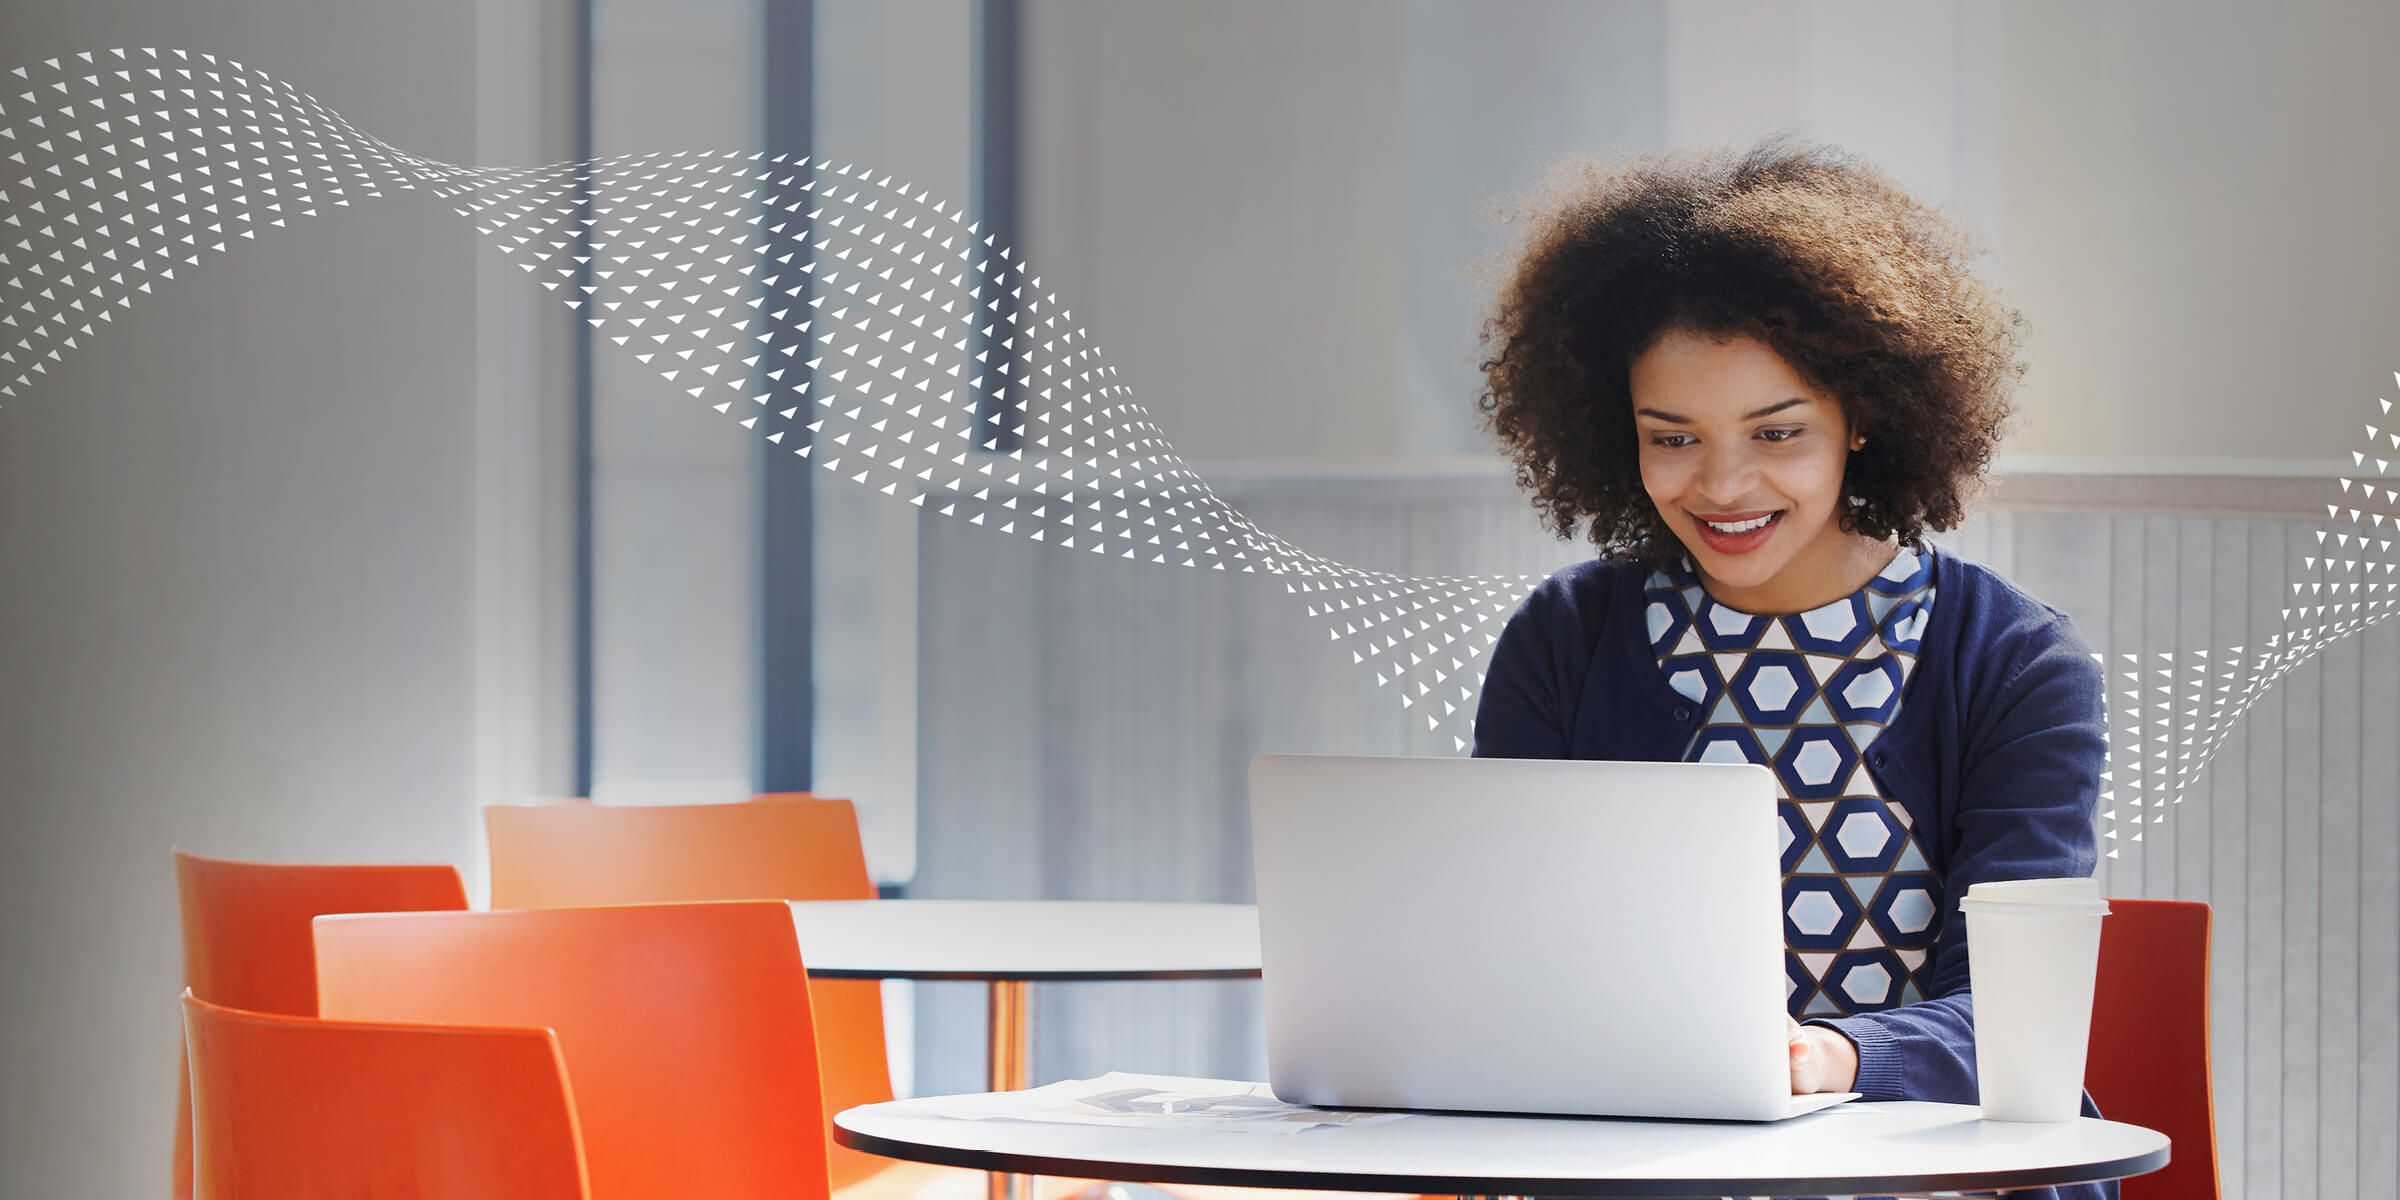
[1129, 1101]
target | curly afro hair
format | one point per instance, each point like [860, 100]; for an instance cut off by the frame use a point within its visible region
[1861, 288]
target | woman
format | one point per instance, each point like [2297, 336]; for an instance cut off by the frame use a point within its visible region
[1756, 382]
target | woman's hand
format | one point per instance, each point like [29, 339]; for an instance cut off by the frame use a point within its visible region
[1822, 1059]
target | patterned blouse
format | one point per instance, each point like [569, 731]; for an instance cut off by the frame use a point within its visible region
[1804, 694]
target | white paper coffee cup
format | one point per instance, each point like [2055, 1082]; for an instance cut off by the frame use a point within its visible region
[2033, 949]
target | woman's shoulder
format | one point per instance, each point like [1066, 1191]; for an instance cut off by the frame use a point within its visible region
[1581, 595]
[1534, 683]
[1997, 627]
[1562, 622]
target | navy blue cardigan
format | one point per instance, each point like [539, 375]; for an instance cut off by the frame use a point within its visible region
[1996, 752]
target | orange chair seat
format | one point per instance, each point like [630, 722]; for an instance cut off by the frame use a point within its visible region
[296, 1106]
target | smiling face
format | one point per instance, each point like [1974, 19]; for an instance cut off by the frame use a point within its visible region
[1744, 460]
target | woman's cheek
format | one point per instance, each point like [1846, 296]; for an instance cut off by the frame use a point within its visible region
[1659, 481]
[1816, 482]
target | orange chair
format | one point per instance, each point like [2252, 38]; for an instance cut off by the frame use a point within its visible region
[2148, 1061]
[684, 1028]
[801, 848]
[246, 942]
[295, 1106]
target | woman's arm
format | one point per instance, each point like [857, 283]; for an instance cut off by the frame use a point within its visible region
[2027, 810]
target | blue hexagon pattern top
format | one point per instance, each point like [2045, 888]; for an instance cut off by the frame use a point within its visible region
[1805, 694]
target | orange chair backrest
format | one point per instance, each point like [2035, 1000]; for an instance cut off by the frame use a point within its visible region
[2148, 1061]
[684, 1027]
[787, 846]
[566, 856]
[296, 1106]
[246, 941]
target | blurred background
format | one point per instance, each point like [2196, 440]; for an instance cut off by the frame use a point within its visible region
[352, 532]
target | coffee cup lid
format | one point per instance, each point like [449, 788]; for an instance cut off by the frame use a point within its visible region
[2035, 908]
[2071, 890]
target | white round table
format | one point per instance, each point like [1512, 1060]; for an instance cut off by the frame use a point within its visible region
[1009, 944]
[1850, 1149]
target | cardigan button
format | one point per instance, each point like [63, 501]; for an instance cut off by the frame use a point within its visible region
[1683, 712]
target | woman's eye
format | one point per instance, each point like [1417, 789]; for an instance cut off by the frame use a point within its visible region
[1779, 435]
[1671, 440]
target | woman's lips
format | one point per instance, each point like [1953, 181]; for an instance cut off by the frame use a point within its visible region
[1738, 543]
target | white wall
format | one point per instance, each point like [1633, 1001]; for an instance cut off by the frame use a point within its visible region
[676, 501]
[2198, 209]
[523, 572]
[1480, 93]
[892, 92]
[1264, 212]
[674, 488]
[1211, 190]
[273, 582]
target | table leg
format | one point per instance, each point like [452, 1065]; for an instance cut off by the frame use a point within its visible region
[1008, 1049]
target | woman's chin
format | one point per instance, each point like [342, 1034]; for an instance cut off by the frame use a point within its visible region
[1738, 572]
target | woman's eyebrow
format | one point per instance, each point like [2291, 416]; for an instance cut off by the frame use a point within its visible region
[1770, 410]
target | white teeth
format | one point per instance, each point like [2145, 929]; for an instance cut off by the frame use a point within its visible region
[1739, 526]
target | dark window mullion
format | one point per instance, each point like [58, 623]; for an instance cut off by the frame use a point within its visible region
[581, 416]
[785, 629]
[994, 152]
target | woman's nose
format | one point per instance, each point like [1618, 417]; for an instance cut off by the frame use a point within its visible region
[1724, 476]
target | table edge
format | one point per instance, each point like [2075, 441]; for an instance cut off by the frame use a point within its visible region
[1145, 1172]
[1003, 976]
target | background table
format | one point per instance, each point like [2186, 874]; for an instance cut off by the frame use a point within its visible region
[1854, 1148]
[1009, 944]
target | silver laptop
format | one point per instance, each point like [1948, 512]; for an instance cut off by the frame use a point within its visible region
[1523, 935]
